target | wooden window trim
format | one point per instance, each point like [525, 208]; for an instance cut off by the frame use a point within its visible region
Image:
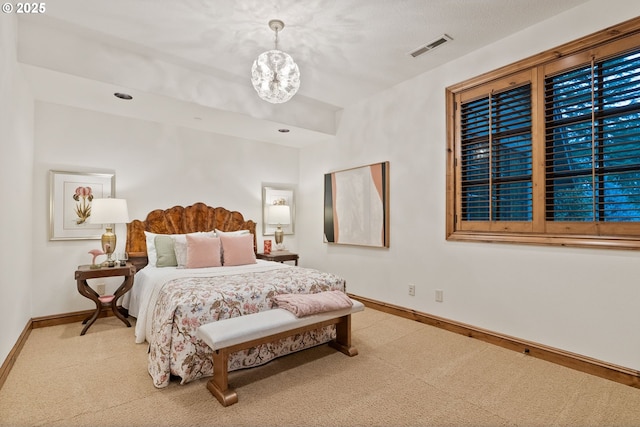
[538, 231]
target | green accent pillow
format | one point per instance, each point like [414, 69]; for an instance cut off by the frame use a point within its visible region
[166, 252]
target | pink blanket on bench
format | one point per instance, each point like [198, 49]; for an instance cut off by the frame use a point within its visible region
[306, 304]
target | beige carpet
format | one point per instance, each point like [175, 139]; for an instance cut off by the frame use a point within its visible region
[407, 374]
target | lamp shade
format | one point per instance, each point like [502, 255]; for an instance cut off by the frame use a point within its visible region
[109, 211]
[279, 214]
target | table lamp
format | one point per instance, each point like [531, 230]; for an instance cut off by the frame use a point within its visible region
[109, 212]
[280, 215]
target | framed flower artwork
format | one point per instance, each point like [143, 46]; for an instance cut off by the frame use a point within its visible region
[71, 194]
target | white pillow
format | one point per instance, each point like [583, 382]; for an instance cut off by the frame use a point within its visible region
[180, 246]
[231, 233]
[152, 253]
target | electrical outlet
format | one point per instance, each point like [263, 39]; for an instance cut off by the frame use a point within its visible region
[412, 289]
[439, 295]
[100, 289]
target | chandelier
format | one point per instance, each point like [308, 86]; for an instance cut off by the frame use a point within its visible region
[274, 75]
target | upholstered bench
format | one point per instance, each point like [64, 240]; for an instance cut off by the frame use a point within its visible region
[239, 333]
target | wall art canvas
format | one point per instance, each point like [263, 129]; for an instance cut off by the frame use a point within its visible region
[71, 194]
[356, 206]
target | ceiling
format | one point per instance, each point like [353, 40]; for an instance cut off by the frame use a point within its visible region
[188, 62]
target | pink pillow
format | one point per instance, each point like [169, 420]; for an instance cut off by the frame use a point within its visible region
[202, 251]
[237, 249]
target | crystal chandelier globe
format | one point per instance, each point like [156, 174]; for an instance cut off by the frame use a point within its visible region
[274, 74]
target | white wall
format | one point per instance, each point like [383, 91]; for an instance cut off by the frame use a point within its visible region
[580, 300]
[156, 166]
[16, 191]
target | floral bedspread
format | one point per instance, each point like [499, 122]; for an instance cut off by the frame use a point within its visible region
[185, 304]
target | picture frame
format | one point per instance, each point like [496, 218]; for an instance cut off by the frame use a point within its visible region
[70, 196]
[356, 206]
[278, 194]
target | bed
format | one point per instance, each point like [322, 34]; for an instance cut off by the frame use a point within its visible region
[172, 299]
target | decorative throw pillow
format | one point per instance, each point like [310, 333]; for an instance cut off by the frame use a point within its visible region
[237, 249]
[180, 246]
[202, 251]
[166, 255]
[230, 233]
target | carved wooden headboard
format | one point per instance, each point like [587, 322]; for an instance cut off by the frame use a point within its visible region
[182, 220]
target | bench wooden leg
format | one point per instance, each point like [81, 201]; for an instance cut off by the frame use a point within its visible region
[342, 343]
[219, 384]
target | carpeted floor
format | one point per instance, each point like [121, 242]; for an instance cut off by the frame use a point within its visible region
[407, 374]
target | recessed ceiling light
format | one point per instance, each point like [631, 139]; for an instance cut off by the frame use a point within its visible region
[283, 130]
[123, 96]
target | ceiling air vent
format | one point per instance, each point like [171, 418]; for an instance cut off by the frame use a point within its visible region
[431, 45]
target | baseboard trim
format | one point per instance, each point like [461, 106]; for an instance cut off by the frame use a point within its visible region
[63, 319]
[42, 322]
[575, 361]
[13, 354]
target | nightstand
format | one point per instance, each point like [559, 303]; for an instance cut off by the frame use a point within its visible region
[279, 256]
[85, 272]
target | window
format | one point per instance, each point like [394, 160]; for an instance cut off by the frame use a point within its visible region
[550, 153]
[496, 156]
[592, 117]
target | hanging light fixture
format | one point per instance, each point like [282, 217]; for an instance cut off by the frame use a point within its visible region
[274, 75]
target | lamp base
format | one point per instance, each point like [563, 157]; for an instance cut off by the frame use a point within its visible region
[279, 237]
[108, 246]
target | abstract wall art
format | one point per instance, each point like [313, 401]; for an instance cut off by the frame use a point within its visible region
[356, 206]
